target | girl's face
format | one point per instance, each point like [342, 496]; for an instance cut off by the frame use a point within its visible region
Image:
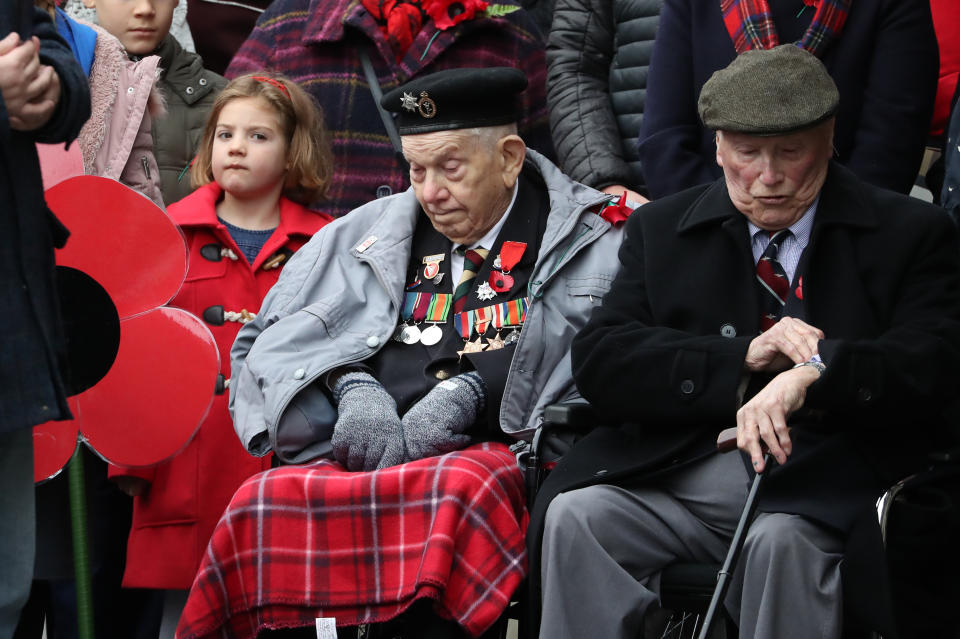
[140, 25]
[249, 157]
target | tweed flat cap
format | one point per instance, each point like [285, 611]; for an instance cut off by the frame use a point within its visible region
[457, 99]
[769, 92]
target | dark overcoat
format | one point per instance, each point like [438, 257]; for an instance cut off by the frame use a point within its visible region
[884, 63]
[31, 342]
[663, 356]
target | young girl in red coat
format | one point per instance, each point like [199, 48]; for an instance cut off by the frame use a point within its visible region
[262, 157]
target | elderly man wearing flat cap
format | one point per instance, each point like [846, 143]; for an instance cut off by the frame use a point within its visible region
[409, 340]
[817, 314]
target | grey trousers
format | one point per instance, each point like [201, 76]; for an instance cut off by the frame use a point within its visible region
[17, 526]
[604, 547]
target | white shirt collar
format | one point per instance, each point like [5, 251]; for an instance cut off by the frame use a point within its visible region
[800, 229]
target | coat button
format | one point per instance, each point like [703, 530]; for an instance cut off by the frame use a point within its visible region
[384, 190]
[202, 82]
[727, 330]
[213, 315]
[864, 395]
[687, 386]
[299, 373]
[211, 252]
[188, 90]
[130, 90]
[373, 341]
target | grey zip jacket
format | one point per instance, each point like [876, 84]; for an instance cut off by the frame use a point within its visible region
[338, 302]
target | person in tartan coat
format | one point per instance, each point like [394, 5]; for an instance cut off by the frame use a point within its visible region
[317, 43]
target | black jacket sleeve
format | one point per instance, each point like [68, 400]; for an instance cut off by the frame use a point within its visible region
[73, 108]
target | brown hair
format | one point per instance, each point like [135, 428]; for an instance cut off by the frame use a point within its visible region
[308, 150]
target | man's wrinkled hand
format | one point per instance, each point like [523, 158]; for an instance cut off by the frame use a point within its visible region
[764, 417]
[789, 341]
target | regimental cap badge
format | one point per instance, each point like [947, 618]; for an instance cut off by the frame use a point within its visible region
[425, 106]
[408, 102]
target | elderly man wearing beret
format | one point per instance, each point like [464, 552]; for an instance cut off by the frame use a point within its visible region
[406, 340]
[818, 314]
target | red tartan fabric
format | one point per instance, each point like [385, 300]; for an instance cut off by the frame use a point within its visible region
[301, 542]
[750, 24]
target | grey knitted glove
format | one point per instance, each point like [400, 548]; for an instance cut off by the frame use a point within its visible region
[435, 424]
[368, 433]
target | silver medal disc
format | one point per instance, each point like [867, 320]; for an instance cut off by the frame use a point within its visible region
[431, 335]
[410, 335]
[512, 337]
[398, 334]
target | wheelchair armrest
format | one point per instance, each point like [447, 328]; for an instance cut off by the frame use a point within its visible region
[568, 416]
[575, 415]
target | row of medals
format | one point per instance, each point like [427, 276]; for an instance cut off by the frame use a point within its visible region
[411, 333]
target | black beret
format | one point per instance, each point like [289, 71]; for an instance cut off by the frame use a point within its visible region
[457, 99]
[769, 92]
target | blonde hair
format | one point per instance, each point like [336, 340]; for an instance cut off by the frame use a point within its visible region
[308, 150]
[50, 6]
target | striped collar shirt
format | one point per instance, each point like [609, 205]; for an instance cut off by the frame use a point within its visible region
[793, 245]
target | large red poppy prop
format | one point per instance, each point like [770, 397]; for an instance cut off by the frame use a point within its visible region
[142, 376]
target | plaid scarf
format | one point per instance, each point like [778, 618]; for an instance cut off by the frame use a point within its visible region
[751, 26]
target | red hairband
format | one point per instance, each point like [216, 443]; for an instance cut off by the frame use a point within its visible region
[274, 82]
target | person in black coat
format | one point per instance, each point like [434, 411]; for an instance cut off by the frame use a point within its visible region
[44, 97]
[846, 386]
[884, 60]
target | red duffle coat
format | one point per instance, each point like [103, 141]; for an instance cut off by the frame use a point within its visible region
[173, 520]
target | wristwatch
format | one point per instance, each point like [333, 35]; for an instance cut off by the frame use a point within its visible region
[815, 362]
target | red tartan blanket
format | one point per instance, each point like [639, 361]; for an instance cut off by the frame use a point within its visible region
[301, 542]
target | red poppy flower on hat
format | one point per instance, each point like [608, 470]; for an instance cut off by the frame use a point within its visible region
[141, 376]
[403, 25]
[447, 13]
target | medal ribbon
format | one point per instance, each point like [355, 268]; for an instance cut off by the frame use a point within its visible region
[463, 322]
[435, 308]
[514, 312]
[409, 303]
[483, 317]
[439, 307]
[510, 254]
[507, 314]
[420, 310]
